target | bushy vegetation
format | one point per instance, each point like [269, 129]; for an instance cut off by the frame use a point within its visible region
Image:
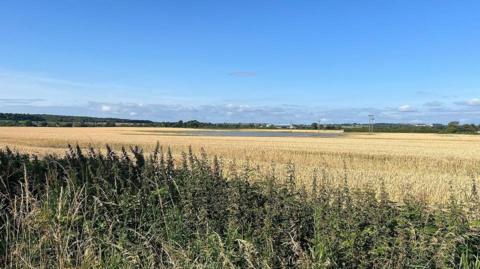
[453, 127]
[43, 120]
[127, 209]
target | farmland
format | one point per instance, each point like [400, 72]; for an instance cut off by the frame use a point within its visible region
[423, 165]
[88, 208]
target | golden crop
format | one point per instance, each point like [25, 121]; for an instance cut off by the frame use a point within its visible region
[423, 165]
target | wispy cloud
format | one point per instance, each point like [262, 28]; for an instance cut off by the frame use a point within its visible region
[406, 108]
[470, 102]
[433, 104]
[45, 80]
[243, 74]
[19, 101]
[33, 93]
[54, 91]
[230, 112]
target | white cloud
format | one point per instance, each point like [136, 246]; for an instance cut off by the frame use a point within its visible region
[106, 108]
[250, 113]
[406, 108]
[473, 102]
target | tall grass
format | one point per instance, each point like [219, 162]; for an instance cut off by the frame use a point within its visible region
[127, 209]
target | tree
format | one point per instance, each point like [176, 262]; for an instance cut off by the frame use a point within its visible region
[452, 127]
[28, 123]
[469, 128]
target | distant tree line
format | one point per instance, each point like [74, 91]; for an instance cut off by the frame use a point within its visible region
[44, 120]
[198, 124]
[453, 127]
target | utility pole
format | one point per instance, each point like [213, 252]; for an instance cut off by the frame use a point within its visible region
[371, 121]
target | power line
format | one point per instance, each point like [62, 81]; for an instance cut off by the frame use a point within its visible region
[371, 121]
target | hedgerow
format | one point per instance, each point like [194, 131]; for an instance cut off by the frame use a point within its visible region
[127, 209]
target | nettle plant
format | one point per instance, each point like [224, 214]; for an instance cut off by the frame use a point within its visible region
[108, 209]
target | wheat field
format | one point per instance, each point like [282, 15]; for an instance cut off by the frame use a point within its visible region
[427, 166]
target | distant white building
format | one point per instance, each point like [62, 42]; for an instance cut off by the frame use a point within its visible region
[284, 126]
[423, 125]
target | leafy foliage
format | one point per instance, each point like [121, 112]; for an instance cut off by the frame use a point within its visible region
[127, 209]
[44, 120]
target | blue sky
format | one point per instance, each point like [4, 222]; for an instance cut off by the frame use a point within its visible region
[249, 61]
